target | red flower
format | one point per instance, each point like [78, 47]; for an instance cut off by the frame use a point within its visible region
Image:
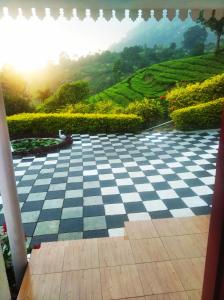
[36, 246]
[4, 228]
[162, 97]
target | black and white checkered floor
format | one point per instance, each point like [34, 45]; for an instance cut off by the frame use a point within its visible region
[91, 189]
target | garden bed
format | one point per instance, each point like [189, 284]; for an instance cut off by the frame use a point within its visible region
[38, 146]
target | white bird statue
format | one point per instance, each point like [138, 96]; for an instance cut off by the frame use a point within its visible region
[61, 135]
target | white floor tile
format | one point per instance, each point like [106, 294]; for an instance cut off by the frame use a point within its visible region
[167, 194]
[130, 197]
[181, 212]
[155, 205]
[114, 209]
[139, 216]
[194, 201]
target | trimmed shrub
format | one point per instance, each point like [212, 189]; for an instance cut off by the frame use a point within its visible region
[148, 109]
[193, 94]
[47, 125]
[201, 116]
[68, 93]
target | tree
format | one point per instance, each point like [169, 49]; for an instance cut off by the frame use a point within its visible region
[44, 94]
[16, 97]
[117, 70]
[67, 93]
[131, 58]
[215, 25]
[173, 46]
[72, 92]
[194, 37]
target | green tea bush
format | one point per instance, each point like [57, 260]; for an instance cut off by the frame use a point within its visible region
[153, 81]
[47, 125]
[201, 116]
[192, 94]
[148, 109]
[68, 93]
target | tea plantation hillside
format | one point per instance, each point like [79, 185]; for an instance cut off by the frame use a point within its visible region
[154, 81]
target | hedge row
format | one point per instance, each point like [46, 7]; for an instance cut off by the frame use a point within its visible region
[47, 125]
[193, 94]
[201, 116]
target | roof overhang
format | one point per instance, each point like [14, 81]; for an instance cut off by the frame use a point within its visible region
[119, 6]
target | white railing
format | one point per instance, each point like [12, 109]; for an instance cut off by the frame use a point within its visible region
[108, 14]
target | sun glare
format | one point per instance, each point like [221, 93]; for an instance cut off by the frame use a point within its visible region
[28, 45]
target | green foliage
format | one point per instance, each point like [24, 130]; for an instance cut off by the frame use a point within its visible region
[137, 57]
[33, 143]
[149, 110]
[15, 104]
[192, 94]
[15, 93]
[154, 81]
[100, 70]
[198, 49]
[81, 107]
[68, 93]
[194, 39]
[46, 125]
[215, 25]
[107, 106]
[101, 107]
[201, 116]
[43, 94]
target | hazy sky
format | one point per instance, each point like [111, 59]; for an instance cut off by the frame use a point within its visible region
[30, 44]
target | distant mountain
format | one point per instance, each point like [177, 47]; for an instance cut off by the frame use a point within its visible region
[162, 33]
[154, 81]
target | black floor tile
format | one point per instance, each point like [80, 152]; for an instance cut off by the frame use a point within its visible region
[160, 214]
[29, 228]
[39, 189]
[71, 225]
[36, 240]
[32, 206]
[95, 234]
[116, 221]
[134, 207]
[55, 195]
[110, 199]
[174, 203]
[185, 192]
[92, 192]
[73, 202]
[123, 189]
[147, 196]
[93, 210]
[203, 210]
[50, 214]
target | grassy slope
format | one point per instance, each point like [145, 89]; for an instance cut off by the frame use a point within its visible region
[155, 80]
